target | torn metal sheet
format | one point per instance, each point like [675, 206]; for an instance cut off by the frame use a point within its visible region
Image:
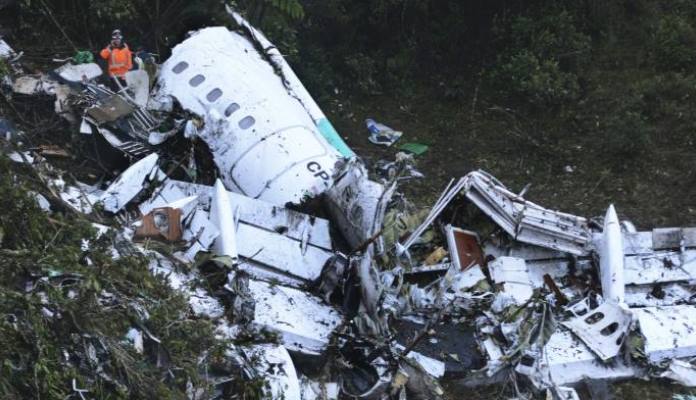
[669, 332]
[81, 197]
[526, 221]
[660, 267]
[603, 329]
[514, 275]
[358, 205]
[274, 365]
[435, 368]
[668, 294]
[566, 360]
[222, 215]
[5, 50]
[138, 82]
[264, 142]
[464, 248]
[77, 73]
[303, 322]
[611, 258]
[681, 372]
[314, 390]
[199, 234]
[130, 183]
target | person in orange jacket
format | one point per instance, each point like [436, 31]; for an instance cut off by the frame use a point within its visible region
[118, 56]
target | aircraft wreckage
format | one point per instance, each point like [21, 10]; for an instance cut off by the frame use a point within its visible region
[327, 259]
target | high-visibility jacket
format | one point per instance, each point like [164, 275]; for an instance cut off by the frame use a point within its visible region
[120, 60]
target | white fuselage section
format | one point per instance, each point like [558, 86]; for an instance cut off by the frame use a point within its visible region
[265, 143]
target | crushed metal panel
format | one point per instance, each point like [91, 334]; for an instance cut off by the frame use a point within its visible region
[514, 275]
[199, 234]
[464, 248]
[130, 183]
[526, 221]
[358, 204]
[603, 329]
[304, 323]
[258, 213]
[267, 146]
[110, 110]
[660, 267]
[669, 332]
[611, 258]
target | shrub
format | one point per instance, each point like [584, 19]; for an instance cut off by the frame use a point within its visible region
[674, 43]
[540, 81]
[540, 58]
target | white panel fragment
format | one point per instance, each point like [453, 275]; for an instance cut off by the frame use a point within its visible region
[682, 372]
[304, 323]
[567, 360]
[670, 332]
[130, 183]
[513, 274]
[602, 329]
[274, 365]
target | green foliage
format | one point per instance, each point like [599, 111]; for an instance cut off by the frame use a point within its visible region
[362, 71]
[66, 310]
[626, 133]
[674, 43]
[541, 58]
[540, 81]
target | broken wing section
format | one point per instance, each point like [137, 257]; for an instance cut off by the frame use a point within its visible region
[263, 140]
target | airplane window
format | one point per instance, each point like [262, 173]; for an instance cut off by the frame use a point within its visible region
[180, 67]
[247, 122]
[231, 109]
[197, 80]
[214, 95]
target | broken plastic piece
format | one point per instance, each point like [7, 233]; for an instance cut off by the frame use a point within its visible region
[381, 134]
